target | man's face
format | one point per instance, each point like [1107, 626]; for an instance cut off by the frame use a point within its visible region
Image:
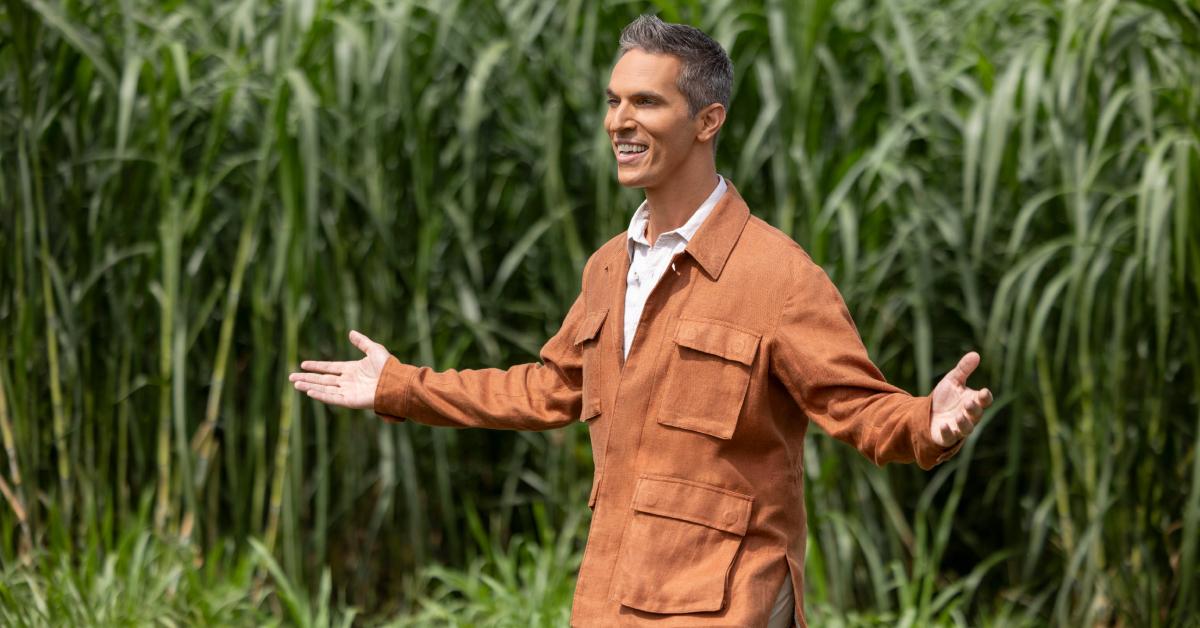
[647, 120]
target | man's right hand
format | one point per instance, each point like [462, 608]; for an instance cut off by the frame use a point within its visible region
[346, 384]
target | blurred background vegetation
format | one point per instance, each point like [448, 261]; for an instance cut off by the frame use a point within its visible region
[194, 195]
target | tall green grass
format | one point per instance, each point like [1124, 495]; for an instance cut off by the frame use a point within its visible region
[193, 195]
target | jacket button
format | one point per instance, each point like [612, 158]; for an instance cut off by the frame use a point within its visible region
[687, 333]
[651, 499]
[731, 517]
[737, 346]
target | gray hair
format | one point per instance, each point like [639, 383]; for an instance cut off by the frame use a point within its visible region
[706, 75]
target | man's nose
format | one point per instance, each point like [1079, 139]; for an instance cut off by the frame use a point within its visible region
[620, 118]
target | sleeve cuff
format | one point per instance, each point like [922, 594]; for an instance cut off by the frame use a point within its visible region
[393, 393]
[929, 454]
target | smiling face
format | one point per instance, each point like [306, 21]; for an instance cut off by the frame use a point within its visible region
[648, 124]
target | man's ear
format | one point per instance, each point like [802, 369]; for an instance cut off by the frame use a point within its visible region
[711, 119]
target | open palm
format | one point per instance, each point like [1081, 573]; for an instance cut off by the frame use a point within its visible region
[957, 408]
[348, 384]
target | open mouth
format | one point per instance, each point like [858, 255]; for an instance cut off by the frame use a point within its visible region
[630, 152]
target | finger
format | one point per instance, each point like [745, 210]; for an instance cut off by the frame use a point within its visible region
[326, 397]
[359, 340]
[985, 398]
[966, 425]
[948, 436]
[972, 408]
[317, 366]
[965, 367]
[315, 378]
[307, 386]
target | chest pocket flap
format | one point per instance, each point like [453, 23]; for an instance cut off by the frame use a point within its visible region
[590, 327]
[717, 339]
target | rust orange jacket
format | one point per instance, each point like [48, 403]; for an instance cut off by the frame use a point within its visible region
[697, 437]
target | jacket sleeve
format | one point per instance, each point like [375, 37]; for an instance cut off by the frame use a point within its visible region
[817, 354]
[535, 396]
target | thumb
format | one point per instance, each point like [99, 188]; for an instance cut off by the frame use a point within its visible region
[965, 367]
[363, 343]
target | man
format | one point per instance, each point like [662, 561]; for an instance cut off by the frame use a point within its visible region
[702, 343]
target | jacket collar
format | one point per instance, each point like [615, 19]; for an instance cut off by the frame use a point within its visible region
[714, 241]
[637, 225]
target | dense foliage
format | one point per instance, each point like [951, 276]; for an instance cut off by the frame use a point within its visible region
[193, 195]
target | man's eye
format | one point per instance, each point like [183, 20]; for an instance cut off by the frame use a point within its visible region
[645, 101]
[613, 102]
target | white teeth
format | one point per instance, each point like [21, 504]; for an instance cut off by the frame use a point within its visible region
[631, 148]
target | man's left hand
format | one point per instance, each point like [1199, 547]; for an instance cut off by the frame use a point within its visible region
[957, 408]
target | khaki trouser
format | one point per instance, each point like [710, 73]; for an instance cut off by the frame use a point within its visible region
[783, 611]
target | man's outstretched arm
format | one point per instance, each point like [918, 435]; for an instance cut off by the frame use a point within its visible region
[535, 396]
[819, 357]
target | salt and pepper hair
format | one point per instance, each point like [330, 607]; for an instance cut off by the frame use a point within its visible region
[706, 73]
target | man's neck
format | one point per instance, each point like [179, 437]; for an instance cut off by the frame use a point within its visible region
[672, 203]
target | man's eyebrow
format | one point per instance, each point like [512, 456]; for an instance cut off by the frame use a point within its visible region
[641, 94]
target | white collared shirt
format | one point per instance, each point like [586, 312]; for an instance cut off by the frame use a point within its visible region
[647, 262]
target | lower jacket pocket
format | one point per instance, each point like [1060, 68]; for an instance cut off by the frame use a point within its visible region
[679, 545]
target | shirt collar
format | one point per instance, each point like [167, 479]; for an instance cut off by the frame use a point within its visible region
[637, 225]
